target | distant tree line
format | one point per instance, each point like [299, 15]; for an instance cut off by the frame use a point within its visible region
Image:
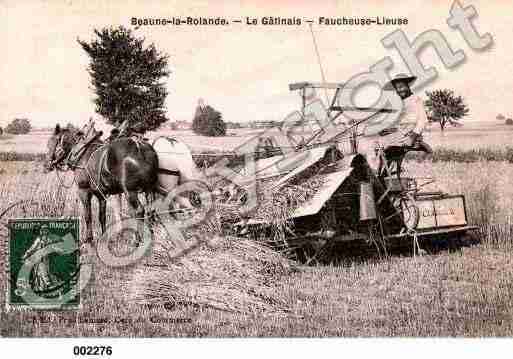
[21, 126]
[18, 126]
[507, 121]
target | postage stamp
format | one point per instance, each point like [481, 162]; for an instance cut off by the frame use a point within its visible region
[43, 264]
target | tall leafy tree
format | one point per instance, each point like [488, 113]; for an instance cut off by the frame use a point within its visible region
[445, 108]
[127, 78]
[208, 122]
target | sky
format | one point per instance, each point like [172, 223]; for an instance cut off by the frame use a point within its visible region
[242, 71]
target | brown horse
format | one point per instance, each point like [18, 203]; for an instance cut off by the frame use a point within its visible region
[125, 165]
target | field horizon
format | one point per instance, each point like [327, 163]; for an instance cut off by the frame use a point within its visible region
[472, 134]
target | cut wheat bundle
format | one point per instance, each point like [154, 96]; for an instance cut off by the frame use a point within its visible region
[226, 273]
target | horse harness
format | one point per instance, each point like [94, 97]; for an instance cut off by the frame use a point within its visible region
[165, 171]
[97, 179]
[102, 170]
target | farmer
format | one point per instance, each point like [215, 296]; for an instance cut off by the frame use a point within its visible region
[412, 121]
[406, 135]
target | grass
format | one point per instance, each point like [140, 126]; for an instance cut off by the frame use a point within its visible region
[462, 293]
[451, 294]
[467, 156]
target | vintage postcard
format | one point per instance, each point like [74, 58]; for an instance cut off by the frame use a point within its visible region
[256, 169]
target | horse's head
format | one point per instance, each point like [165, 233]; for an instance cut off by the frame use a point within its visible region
[59, 146]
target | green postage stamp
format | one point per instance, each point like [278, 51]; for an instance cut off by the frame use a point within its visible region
[43, 264]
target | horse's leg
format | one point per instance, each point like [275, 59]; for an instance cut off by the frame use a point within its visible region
[137, 210]
[85, 197]
[150, 197]
[119, 199]
[102, 212]
[117, 208]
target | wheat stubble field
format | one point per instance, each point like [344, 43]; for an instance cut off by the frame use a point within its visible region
[236, 289]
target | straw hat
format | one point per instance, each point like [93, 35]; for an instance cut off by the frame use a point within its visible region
[399, 78]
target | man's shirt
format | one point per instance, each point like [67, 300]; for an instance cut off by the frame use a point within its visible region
[413, 116]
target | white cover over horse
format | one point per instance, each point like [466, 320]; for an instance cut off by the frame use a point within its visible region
[176, 165]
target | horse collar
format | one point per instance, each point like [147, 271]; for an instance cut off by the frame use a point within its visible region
[75, 155]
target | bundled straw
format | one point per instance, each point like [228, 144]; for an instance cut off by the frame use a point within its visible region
[231, 274]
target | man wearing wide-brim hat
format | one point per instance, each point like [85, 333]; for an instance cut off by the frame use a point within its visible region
[413, 118]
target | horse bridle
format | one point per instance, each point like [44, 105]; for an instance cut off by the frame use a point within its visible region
[59, 158]
[73, 157]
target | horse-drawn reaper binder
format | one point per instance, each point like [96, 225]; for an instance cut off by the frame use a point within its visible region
[356, 204]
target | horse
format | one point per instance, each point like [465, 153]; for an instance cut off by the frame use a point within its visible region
[123, 166]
